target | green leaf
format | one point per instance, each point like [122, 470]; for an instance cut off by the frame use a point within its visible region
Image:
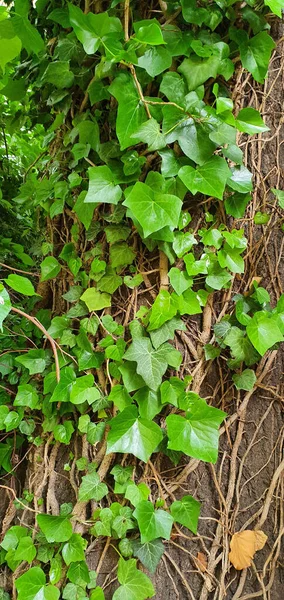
[149, 33]
[73, 550]
[250, 121]
[29, 35]
[163, 309]
[236, 204]
[26, 396]
[245, 381]
[209, 179]
[263, 332]
[78, 572]
[240, 179]
[129, 433]
[280, 196]
[186, 512]
[134, 585]
[34, 360]
[84, 211]
[50, 268]
[192, 136]
[5, 306]
[20, 284]
[55, 572]
[55, 529]
[255, 54]
[32, 586]
[13, 537]
[91, 488]
[9, 49]
[151, 364]
[84, 390]
[276, 6]
[179, 280]
[102, 187]
[196, 435]
[95, 300]
[155, 60]
[149, 554]
[121, 255]
[197, 70]
[26, 550]
[58, 74]
[131, 113]
[153, 523]
[150, 133]
[167, 331]
[230, 258]
[61, 392]
[152, 209]
[136, 493]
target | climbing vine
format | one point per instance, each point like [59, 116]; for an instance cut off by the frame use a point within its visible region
[117, 123]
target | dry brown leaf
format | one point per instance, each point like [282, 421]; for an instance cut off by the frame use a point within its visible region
[244, 545]
[201, 561]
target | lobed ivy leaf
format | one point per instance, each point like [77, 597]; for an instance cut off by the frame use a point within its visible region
[134, 585]
[32, 585]
[102, 186]
[209, 179]
[55, 529]
[186, 512]
[129, 433]
[152, 523]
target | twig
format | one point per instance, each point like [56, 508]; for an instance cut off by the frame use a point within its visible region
[50, 339]
[19, 270]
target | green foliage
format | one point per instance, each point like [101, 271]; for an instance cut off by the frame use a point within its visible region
[75, 92]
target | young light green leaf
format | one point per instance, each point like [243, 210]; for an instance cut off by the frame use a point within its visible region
[95, 300]
[255, 54]
[102, 187]
[151, 364]
[250, 121]
[149, 133]
[5, 306]
[92, 488]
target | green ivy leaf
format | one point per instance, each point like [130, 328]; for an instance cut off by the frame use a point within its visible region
[134, 585]
[209, 179]
[73, 550]
[151, 364]
[245, 381]
[5, 306]
[153, 523]
[32, 585]
[102, 186]
[280, 197]
[276, 6]
[152, 209]
[50, 268]
[149, 33]
[131, 434]
[186, 512]
[155, 60]
[21, 284]
[55, 529]
[96, 300]
[250, 121]
[167, 331]
[26, 396]
[136, 493]
[131, 113]
[34, 360]
[162, 310]
[149, 554]
[92, 488]
[26, 550]
[149, 133]
[196, 435]
[263, 332]
[255, 54]
[29, 35]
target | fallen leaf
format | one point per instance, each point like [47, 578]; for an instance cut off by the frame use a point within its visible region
[244, 545]
[201, 561]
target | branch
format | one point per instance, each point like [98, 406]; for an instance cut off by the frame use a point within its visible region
[50, 339]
